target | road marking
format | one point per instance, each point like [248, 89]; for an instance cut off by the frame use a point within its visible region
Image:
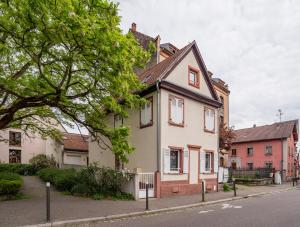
[204, 211]
[227, 206]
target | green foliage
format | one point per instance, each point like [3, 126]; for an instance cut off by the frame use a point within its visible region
[48, 174]
[67, 61]
[80, 189]
[10, 184]
[98, 196]
[226, 187]
[22, 169]
[42, 161]
[65, 180]
[122, 196]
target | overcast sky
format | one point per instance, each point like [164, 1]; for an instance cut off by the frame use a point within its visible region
[252, 45]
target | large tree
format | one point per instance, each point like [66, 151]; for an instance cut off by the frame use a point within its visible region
[67, 61]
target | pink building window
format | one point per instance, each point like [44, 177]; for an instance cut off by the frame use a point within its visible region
[250, 151]
[268, 150]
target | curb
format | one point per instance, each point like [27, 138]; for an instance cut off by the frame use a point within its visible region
[87, 221]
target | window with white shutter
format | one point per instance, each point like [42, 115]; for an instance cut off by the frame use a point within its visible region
[166, 153]
[186, 161]
[202, 161]
[146, 113]
[176, 111]
[175, 160]
[209, 120]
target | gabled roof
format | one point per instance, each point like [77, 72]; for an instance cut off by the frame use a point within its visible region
[267, 132]
[75, 142]
[161, 70]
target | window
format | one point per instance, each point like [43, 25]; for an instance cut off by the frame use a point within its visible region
[146, 113]
[233, 152]
[268, 150]
[208, 162]
[250, 165]
[209, 120]
[269, 165]
[194, 77]
[250, 151]
[14, 156]
[176, 111]
[175, 160]
[14, 138]
[222, 162]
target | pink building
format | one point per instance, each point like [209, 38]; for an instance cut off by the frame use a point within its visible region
[268, 146]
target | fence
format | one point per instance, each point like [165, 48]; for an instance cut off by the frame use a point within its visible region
[252, 173]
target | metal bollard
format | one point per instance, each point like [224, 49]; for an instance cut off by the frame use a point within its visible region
[147, 196]
[48, 201]
[234, 188]
[293, 182]
[203, 192]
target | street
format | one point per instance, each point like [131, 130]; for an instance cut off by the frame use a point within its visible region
[278, 209]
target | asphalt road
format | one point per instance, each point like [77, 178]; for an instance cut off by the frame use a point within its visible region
[279, 209]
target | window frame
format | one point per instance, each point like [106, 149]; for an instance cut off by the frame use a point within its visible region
[214, 129]
[250, 163]
[171, 122]
[211, 155]
[150, 99]
[180, 160]
[250, 155]
[232, 152]
[268, 162]
[11, 143]
[10, 158]
[196, 72]
[266, 149]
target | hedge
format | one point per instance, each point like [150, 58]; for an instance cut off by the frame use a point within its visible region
[10, 184]
[22, 169]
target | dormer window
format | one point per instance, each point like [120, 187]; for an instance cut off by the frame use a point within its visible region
[194, 79]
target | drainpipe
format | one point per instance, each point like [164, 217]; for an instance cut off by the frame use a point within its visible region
[218, 148]
[158, 133]
[282, 159]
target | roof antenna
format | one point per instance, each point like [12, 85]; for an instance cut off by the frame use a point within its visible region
[280, 113]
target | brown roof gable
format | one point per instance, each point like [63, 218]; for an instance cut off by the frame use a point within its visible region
[267, 132]
[161, 70]
[75, 142]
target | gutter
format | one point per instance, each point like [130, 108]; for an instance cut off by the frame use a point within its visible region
[158, 128]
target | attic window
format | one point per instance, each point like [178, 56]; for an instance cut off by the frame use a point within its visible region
[193, 77]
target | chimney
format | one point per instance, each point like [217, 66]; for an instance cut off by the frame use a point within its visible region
[157, 43]
[254, 126]
[133, 27]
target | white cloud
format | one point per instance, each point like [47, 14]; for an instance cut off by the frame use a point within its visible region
[253, 45]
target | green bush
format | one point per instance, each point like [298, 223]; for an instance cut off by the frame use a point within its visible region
[123, 196]
[10, 184]
[80, 189]
[42, 161]
[65, 180]
[226, 187]
[48, 174]
[22, 169]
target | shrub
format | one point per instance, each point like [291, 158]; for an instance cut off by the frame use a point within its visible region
[42, 161]
[48, 174]
[65, 180]
[80, 189]
[123, 196]
[226, 187]
[10, 184]
[102, 180]
[22, 169]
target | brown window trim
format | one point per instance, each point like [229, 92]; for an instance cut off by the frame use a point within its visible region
[180, 149]
[151, 122]
[169, 117]
[206, 130]
[212, 157]
[196, 71]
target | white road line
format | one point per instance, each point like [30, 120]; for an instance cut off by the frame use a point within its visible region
[204, 211]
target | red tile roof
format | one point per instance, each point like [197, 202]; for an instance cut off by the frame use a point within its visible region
[267, 132]
[75, 142]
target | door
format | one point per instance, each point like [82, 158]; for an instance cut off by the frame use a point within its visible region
[233, 165]
[194, 166]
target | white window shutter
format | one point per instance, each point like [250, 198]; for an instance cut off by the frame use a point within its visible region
[186, 161]
[166, 152]
[173, 110]
[179, 111]
[216, 162]
[202, 161]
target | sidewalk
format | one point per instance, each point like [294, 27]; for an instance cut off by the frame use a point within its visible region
[32, 210]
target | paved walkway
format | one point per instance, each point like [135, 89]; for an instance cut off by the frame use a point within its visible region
[63, 207]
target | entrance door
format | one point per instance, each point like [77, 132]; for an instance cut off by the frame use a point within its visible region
[194, 166]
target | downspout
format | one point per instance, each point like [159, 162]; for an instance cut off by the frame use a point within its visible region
[281, 159]
[158, 133]
[218, 148]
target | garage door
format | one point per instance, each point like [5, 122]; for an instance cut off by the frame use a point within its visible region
[72, 159]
